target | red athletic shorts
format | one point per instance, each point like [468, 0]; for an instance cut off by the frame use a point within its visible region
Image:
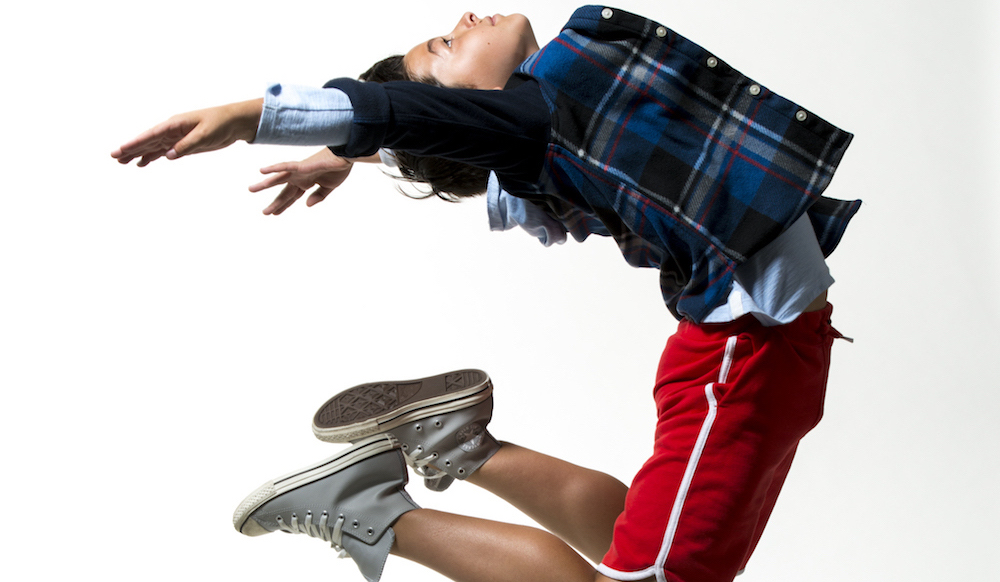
[733, 400]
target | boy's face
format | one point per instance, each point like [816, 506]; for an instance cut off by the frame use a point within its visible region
[480, 53]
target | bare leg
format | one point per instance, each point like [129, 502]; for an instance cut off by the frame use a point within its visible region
[468, 549]
[579, 505]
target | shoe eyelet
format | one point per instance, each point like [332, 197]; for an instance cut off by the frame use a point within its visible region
[437, 423]
[418, 428]
[461, 471]
[355, 524]
[406, 447]
[447, 463]
[371, 531]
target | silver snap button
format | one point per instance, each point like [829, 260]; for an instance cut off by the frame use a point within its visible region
[607, 13]
[661, 31]
[755, 90]
[712, 62]
[801, 115]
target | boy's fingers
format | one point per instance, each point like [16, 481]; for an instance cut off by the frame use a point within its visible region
[153, 137]
[289, 194]
[129, 147]
[121, 157]
[273, 207]
[270, 181]
[129, 151]
[145, 160]
[279, 167]
[152, 143]
[184, 146]
[318, 196]
[293, 196]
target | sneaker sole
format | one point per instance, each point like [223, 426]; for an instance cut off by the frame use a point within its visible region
[378, 407]
[268, 491]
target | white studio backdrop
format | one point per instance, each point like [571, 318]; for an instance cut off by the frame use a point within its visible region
[164, 344]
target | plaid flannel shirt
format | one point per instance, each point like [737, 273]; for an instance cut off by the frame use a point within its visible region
[690, 165]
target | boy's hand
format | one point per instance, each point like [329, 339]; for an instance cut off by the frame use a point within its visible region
[194, 132]
[323, 170]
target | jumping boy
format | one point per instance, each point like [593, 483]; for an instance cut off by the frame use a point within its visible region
[618, 127]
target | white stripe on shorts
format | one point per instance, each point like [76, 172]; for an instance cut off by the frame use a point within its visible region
[675, 511]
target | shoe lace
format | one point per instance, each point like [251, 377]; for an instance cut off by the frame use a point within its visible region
[422, 463]
[322, 530]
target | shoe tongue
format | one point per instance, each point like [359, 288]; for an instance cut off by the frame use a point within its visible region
[438, 483]
[370, 559]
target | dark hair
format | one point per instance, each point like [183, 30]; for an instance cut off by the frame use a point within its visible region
[447, 179]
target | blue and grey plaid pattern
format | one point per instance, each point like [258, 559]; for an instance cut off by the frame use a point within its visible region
[689, 164]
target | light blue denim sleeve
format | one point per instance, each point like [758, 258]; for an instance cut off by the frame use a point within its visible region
[305, 116]
[507, 211]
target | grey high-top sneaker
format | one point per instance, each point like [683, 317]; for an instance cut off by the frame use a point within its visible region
[440, 421]
[350, 500]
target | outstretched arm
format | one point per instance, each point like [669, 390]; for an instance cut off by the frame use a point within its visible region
[194, 132]
[323, 170]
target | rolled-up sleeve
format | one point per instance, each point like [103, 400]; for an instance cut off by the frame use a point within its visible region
[305, 116]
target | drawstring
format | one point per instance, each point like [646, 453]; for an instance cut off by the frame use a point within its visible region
[836, 334]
